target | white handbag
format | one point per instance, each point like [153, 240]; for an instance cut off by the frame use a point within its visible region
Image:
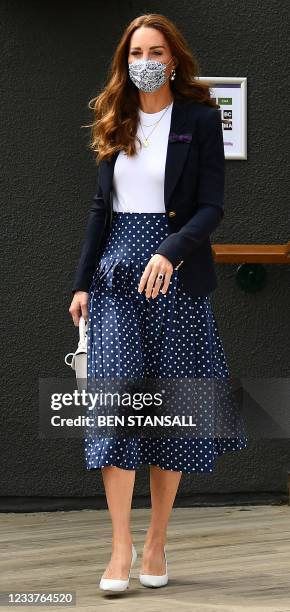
[78, 360]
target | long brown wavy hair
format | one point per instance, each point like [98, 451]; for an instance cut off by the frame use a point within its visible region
[116, 107]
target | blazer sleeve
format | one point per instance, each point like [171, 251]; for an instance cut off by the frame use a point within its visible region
[210, 193]
[93, 236]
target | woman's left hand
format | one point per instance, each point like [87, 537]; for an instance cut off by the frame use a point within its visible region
[158, 264]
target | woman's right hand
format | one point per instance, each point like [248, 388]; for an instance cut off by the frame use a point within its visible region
[79, 306]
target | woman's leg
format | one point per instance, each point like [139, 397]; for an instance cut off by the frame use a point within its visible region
[163, 486]
[119, 485]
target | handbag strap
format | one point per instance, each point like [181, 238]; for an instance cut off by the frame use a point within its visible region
[82, 345]
[82, 329]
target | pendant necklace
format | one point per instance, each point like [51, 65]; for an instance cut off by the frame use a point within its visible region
[145, 142]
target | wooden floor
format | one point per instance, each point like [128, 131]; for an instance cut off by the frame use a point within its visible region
[226, 559]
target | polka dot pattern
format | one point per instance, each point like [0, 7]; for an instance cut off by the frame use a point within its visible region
[171, 336]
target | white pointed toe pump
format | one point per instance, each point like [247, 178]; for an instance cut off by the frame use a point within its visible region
[150, 580]
[113, 584]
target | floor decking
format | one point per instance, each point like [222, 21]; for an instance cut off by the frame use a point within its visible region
[220, 559]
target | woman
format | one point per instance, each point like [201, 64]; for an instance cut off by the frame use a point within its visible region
[146, 268]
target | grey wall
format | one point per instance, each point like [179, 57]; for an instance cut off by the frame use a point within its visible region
[54, 57]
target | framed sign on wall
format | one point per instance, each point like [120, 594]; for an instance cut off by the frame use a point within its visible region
[231, 95]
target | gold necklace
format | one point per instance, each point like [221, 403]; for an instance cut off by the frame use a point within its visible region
[145, 142]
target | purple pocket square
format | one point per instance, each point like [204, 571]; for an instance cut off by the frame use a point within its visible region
[173, 137]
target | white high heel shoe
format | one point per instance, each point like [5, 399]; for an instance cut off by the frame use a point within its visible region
[150, 580]
[113, 584]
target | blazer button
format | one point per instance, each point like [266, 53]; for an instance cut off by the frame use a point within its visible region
[172, 213]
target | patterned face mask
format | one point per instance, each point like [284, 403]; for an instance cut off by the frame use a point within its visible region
[148, 75]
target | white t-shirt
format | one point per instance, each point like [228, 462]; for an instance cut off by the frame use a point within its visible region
[138, 181]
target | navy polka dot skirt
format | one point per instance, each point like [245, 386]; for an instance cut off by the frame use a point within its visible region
[173, 335]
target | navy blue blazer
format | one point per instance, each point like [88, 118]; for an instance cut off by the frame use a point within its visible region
[193, 198]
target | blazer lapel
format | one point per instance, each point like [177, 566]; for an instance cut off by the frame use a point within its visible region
[175, 156]
[176, 151]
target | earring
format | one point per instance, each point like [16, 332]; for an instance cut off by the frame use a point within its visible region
[172, 74]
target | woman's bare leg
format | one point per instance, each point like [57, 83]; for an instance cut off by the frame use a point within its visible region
[119, 485]
[163, 486]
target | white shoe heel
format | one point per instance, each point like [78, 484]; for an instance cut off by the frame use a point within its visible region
[150, 580]
[113, 584]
